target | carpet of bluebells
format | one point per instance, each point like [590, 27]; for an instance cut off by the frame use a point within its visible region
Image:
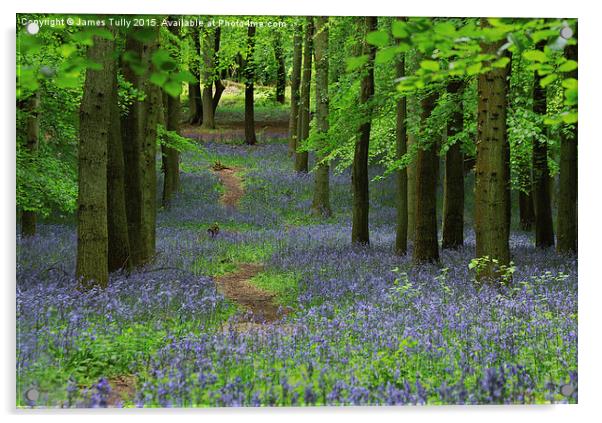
[368, 328]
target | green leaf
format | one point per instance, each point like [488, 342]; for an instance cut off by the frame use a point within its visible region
[474, 68]
[378, 38]
[173, 88]
[570, 117]
[501, 62]
[159, 78]
[430, 65]
[162, 60]
[547, 80]
[446, 29]
[386, 55]
[184, 76]
[570, 83]
[567, 66]
[399, 29]
[144, 34]
[535, 55]
[354, 63]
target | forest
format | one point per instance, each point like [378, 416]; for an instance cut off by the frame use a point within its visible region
[295, 211]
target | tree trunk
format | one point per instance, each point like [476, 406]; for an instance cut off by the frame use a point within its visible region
[544, 229]
[250, 137]
[295, 97]
[567, 204]
[321, 200]
[28, 217]
[360, 232]
[491, 176]
[453, 193]
[401, 141]
[426, 245]
[302, 157]
[281, 68]
[527, 213]
[208, 77]
[171, 156]
[117, 224]
[219, 86]
[94, 127]
[411, 171]
[194, 88]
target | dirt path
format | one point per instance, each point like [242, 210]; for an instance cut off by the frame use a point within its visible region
[233, 189]
[236, 286]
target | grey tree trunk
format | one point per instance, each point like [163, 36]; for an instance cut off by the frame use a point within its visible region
[250, 137]
[567, 204]
[321, 200]
[401, 141]
[117, 224]
[281, 68]
[194, 88]
[208, 76]
[360, 232]
[95, 116]
[426, 245]
[302, 157]
[544, 228]
[453, 199]
[295, 97]
[491, 174]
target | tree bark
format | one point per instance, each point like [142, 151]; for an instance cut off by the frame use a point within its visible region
[194, 88]
[219, 85]
[453, 193]
[567, 204]
[280, 69]
[544, 229]
[295, 97]
[527, 213]
[302, 157]
[321, 200]
[117, 224]
[491, 176]
[28, 217]
[360, 232]
[208, 77]
[426, 245]
[95, 116]
[250, 137]
[401, 141]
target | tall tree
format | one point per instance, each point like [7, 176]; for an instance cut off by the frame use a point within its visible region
[401, 141]
[171, 156]
[302, 157]
[280, 67]
[28, 217]
[360, 232]
[195, 103]
[544, 229]
[426, 245]
[95, 116]
[118, 241]
[139, 149]
[453, 198]
[220, 72]
[321, 200]
[250, 137]
[208, 76]
[295, 83]
[567, 204]
[491, 176]
[525, 205]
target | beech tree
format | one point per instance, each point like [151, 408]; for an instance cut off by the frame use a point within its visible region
[208, 76]
[360, 232]
[453, 191]
[280, 67]
[32, 105]
[295, 83]
[250, 137]
[302, 157]
[95, 122]
[401, 141]
[321, 200]
[491, 183]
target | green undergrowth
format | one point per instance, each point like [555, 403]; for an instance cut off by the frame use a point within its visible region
[227, 255]
[284, 284]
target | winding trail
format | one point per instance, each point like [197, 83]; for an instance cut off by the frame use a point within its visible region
[236, 286]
